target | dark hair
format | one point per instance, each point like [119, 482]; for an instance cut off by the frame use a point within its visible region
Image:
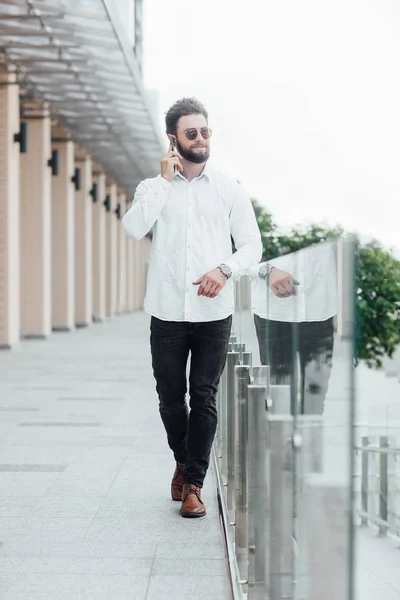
[183, 108]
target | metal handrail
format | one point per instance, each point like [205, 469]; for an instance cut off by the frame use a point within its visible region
[377, 450]
[384, 450]
[382, 523]
[256, 449]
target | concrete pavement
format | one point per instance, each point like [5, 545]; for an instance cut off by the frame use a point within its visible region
[85, 471]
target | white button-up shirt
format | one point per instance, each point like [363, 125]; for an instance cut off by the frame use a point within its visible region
[316, 297]
[192, 226]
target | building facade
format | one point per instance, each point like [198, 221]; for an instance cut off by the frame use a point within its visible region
[77, 134]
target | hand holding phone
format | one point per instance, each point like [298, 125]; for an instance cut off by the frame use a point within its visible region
[171, 162]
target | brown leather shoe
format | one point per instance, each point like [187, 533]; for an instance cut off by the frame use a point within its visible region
[192, 505]
[177, 484]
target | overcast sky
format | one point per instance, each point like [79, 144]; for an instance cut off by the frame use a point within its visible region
[303, 98]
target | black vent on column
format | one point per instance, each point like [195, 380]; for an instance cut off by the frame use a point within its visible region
[76, 179]
[54, 162]
[93, 192]
[107, 203]
[22, 137]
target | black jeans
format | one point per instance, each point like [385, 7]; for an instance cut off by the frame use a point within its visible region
[190, 436]
[283, 345]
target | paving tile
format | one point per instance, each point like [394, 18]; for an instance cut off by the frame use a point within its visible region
[7, 582]
[11, 409]
[8, 526]
[370, 587]
[74, 547]
[57, 424]
[26, 484]
[142, 508]
[64, 454]
[183, 530]
[15, 511]
[80, 486]
[15, 468]
[77, 566]
[195, 587]
[190, 566]
[18, 501]
[191, 549]
[390, 575]
[91, 399]
[66, 506]
[76, 587]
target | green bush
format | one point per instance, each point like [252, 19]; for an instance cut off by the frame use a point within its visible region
[378, 304]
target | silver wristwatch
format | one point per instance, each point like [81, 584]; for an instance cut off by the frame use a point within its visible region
[227, 271]
[265, 270]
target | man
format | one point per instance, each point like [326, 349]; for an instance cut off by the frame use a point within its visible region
[193, 211]
[294, 301]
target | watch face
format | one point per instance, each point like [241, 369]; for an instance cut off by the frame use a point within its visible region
[264, 270]
[226, 270]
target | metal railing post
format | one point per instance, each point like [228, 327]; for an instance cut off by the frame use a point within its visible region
[242, 381]
[232, 361]
[364, 479]
[217, 438]
[383, 484]
[279, 400]
[247, 359]
[257, 491]
[307, 462]
[223, 454]
[260, 375]
[240, 348]
[280, 502]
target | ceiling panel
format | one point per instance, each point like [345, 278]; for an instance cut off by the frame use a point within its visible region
[75, 54]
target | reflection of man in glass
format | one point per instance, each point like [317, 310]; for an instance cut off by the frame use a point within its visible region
[293, 315]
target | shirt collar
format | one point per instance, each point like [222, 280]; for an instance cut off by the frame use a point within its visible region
[206, 172]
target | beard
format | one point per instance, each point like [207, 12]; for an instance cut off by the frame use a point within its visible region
[193, 157]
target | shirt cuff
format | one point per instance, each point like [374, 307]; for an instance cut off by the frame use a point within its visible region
[234, 267]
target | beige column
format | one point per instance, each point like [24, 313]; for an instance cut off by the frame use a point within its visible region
[121, 260]
[62, 226]
[83, 241]
[35, 222]
[111, 250]
[9, 211]
[98, 193]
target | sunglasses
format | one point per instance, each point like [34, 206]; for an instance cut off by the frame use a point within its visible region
[192, 132]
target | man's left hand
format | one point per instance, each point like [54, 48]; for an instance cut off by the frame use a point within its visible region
[211, 283]
[282, 283]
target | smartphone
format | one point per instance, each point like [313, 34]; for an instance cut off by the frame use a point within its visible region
[173, 144]
[173, 150]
